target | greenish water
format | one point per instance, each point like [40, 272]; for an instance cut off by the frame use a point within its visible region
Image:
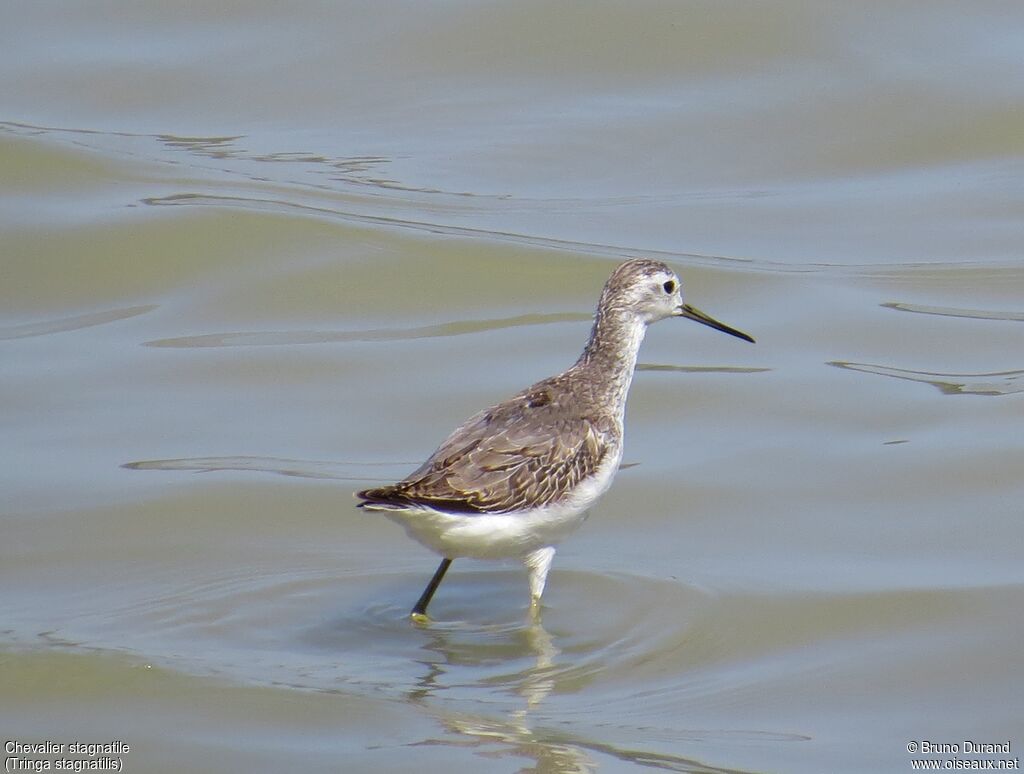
[255, 258]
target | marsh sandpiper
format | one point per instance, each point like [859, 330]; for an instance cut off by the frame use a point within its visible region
[515, 479]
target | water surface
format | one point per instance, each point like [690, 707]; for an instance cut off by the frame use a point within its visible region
[254, 259]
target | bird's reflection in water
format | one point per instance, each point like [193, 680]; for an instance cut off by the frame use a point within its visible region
[525, 730]
[528, 644]
[496, 736]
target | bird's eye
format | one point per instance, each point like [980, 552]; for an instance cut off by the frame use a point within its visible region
[670, 286]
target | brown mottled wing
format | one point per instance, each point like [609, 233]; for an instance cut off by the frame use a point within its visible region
[519, 454]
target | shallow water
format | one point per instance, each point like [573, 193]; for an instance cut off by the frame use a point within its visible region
[255, 259]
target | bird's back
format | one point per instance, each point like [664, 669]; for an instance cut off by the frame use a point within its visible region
[526, 452]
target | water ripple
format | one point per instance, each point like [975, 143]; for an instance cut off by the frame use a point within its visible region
[64, 324]
[338, 471]
[996, 383]
[258, 203]
[947, 311]
[291, 338]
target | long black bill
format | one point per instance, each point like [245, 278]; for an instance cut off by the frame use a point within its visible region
[693, 313]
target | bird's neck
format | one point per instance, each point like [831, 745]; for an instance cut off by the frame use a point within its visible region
[610, 354]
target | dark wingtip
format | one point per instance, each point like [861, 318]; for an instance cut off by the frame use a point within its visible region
[370, 496]
[386, 496]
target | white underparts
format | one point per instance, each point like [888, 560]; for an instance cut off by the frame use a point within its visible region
[501, 535]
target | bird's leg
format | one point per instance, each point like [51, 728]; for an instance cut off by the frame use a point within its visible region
[537, 565]
[419, 610]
